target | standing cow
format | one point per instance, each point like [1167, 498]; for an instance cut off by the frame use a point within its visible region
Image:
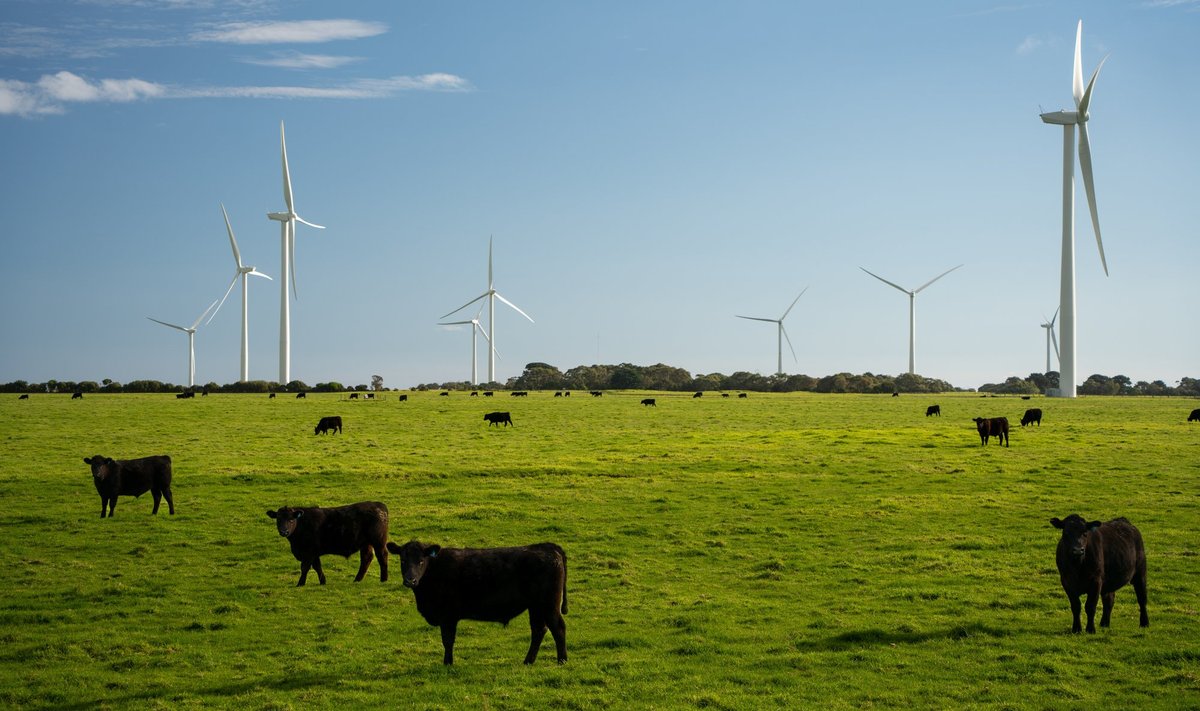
[131, 477]
[313, 532]
[1097, 559]
[490, 585]
[333, 425]
[498, 418]
[992, 427]
[1031, 416]
[1195, 416]
[933, 410]
[649, 401]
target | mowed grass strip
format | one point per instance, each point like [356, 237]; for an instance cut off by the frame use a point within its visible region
[781, 551]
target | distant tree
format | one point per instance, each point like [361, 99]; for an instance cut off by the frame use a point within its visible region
[706, 383]
[296, 386]
[332, 386]
[87, 386]
[625, 377]
[111, 386]
[539, 376]
[16, 386]
[361, 387]
[377, 382]
[1098, 384]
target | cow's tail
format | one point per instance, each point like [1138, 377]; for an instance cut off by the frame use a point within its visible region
[563, 553]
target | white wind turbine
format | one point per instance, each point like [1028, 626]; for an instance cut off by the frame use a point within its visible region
[476, 329]
[287, 225]
[1069, 120]
[491, 295]
[782, 331]
[191, 332]
[912, 313]
[1049, 326]
[241, 272]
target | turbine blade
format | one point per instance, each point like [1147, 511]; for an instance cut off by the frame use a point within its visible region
[1055, 317]
[191, 360]
[885, 281]
[181, 328]
[486, 337]
[1085, 167]
[287, 176]
[491, 282]
[196, 323]
[1077, 75]
[255, 272]
[1054, 339]
[939, 276]
[484, 295]
[789, 309]
[237, 256]
[755, 318]
[514, 306]
[226, 296]
[292, 258]
[454, 323]
[301, 219]
[1087, 95]
[789, 341]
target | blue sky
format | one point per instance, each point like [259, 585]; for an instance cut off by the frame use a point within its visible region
[647, 169]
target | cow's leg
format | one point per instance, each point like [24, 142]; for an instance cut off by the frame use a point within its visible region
[157, 494]
[364, 561]
[381, 553]
[103, 507]
[537, 631]
[1075, 609]
[170, 499]
[1093, 597]
[558, 629]
[1139, 587]
[316, 564]
[304, 566]
[1107, 601]
[112, 506]
[448, 631]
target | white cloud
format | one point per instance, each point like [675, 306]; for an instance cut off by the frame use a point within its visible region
[1029, 45]
[299, 60]
[300, 31]
[356, 89]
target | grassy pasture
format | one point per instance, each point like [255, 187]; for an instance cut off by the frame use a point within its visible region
[783, 551]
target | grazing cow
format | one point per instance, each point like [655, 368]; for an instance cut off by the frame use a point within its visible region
[1024, 397]
[1194, 417]
[444, 393]
[497, 418]
[332, 425]
[724, 394]
[370, 396]
[301, 396]
[488, 393]
[649, 401]
[204, 393]
[76, 395]
[474, 393]
[402, 398]
[26, 397]
[597, 393]
[697, 395]
[742, 396]
[341, 530]
[490, 585]
[558, 394]
[895, 394]
[271, 396]
[566, 393]
[933, 410]
[185, 395]
[353, 396]
[518, 393]
[1032, 415]
[131, 477]
[1097, 559]
[992, 427]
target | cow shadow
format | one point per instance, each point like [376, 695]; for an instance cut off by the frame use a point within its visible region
[877, 637]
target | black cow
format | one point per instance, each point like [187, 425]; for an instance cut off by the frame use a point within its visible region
[1097, 559]
[370, 396]
[444, 393]
[76, 395]
[186, 394]
[26, 397]
[488, 393]
[490, 585]
[402, 398]
[353, 396]
[1024, 397]
[1032, 415]
[301, 396]
[933, 410]
[742, 395]
[649, 401]
[724, 394]
[697, 395]
[895, 394]
[341, 530]
[992, 427]
[271, 396]
[558, 394]
[204, 393]
[474, 393]
[1194, 417]
[566, 393]
[131, 477]
[597, 393]
[518, 393]
[332, 425]
[496, 418]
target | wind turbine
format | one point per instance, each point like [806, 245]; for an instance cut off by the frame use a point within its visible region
[1049, 326]
[476, 329]
[912, 313]
[242, 272]
[782, 332]
[287, 225]
[491, 295]
[191, 332]
[1069, 120]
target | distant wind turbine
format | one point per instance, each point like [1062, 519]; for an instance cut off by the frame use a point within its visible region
[491, 295]
[1069, 120]
[782, 331]
[912, 313]
[1049, 326]
[287, 225]
[240, 272]
[191, 332]
[476, 329]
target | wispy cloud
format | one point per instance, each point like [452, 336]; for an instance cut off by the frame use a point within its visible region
[1029, 45]
[1194, 4]
[299, 60]
[296, 32]
[54, 92]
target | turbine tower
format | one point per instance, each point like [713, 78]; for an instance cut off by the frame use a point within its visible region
[1049, 326]
[491, 295]
[476, 329]
[912, 313]
[240, 272]
[1069, 120]
[287, 226]
[782, 331]
[191, 332]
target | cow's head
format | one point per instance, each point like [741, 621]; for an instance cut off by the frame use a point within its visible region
[286, 519]
[102, 467]
[1075, 534]
[414, 560]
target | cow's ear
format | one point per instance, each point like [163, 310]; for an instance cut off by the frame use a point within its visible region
[432, 550]
[1093, 525]
[1056, 523]
[87, 460]
[271, 514]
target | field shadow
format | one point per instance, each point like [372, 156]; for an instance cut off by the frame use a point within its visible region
[877, 637]
[207, 694]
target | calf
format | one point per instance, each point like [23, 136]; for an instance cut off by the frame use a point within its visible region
[402, 398]
[992, 427]
[301, 396]
[332, 425]
[933, 410]
[496, 418]
[313, 532]
[1097, 559]
[76, 395]
[490, 585]
[131, 477]
[649, 401]
[1032, 415]
[1194, 417]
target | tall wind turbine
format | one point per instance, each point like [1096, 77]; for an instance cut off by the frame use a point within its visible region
[191, 332]
[1049, 326]
[287, 225]
[491, 295]
[240, 272]
[912, 313]
[782, 331]
[1069, 120]
[476, 329]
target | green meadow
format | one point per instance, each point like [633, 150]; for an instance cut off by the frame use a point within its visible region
[782, 551]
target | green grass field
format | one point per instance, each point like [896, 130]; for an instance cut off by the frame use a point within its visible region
[783, 551]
